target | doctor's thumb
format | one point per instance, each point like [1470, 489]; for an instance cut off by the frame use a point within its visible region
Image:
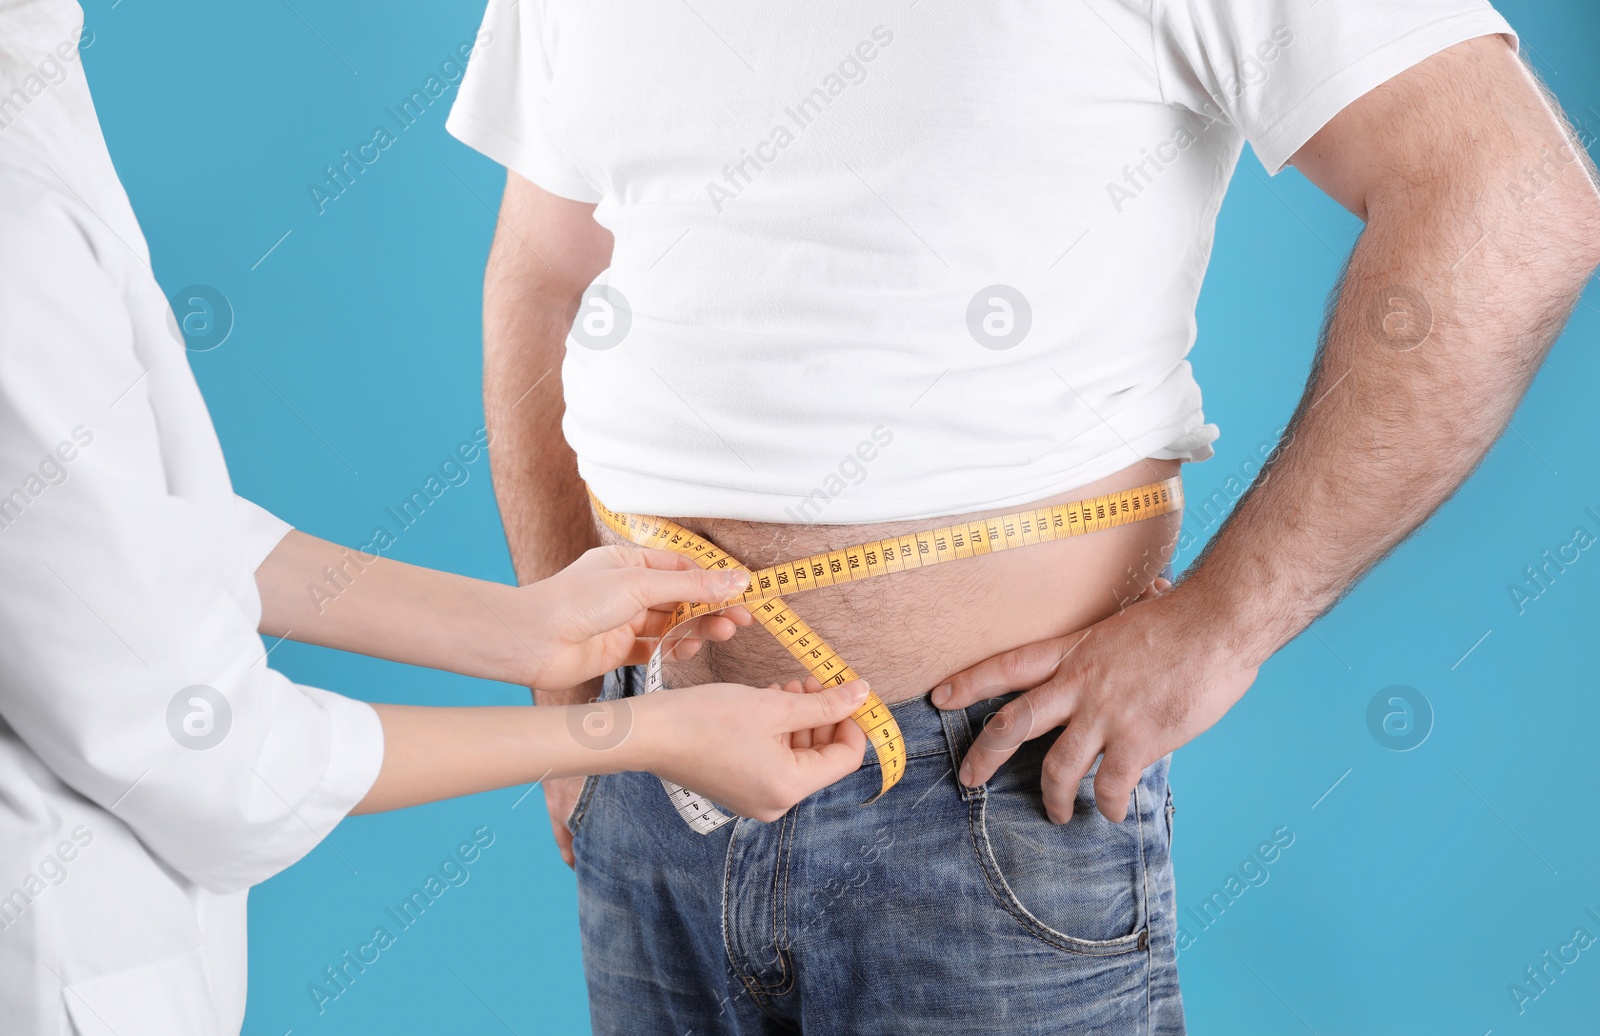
[827, 706]
[705, 586]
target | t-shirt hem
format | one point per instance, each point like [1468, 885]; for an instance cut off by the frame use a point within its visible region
[541, 169]
[670, 498]
[1276, 144]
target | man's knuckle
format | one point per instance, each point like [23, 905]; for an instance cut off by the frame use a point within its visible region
[1009, 726]
[1072, 748]
[1019, 666]
[1059, 768]
[1120, 771]
[1043, 656]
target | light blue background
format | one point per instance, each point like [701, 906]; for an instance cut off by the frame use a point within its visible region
[1415, 892]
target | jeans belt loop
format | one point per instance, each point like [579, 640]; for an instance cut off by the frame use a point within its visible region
[618, 683]
[958, 736]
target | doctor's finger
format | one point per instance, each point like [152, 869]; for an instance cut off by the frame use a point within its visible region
[718, 627]
[820, 766]
[809, 685]
[671, 561]
[652, 586]
[819, 735]
[822, 709]
[652, 624]
[806, 736]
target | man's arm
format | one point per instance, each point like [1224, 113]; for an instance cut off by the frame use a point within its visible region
[546, 251]
[1483, 224]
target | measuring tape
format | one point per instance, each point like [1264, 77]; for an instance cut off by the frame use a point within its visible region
[764, 595]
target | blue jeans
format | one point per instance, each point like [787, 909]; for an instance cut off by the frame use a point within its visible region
[938, 909]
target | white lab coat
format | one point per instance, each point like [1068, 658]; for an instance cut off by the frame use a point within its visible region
[126, 576]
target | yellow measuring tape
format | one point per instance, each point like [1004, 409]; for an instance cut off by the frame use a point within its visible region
[764, 595]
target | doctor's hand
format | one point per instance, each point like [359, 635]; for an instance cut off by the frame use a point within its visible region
[735, 744]
[756, 751]
[610, 608]
[1128, 689]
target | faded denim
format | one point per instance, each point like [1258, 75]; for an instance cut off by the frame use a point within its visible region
[937, 909]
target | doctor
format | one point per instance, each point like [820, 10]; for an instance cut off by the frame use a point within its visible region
[152, 766]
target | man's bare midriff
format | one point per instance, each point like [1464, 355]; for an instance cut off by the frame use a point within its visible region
[906, 632]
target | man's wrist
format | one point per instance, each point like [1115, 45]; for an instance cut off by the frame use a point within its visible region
[1235, 614]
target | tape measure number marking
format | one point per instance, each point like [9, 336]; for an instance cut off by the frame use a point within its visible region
[763, 596]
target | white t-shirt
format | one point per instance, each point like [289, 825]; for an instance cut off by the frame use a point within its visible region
[874, 263]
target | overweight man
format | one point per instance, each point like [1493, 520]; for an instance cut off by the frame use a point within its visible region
[801, 277]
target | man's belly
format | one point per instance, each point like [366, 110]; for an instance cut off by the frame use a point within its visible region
[907, 632]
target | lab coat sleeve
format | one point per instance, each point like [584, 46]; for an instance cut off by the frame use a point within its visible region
[129, 658]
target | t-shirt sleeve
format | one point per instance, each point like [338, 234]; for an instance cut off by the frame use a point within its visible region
[503, 108]
[1278, 70]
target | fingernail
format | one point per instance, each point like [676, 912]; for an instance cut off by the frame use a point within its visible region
[966, 774]
[941, 694]
[735, 579]
[858, 693]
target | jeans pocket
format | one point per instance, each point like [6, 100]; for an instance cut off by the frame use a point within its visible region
[1079, 886]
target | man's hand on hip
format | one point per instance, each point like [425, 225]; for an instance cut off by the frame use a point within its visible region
[560, 797]
[1389, 425]
[1132, 688]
